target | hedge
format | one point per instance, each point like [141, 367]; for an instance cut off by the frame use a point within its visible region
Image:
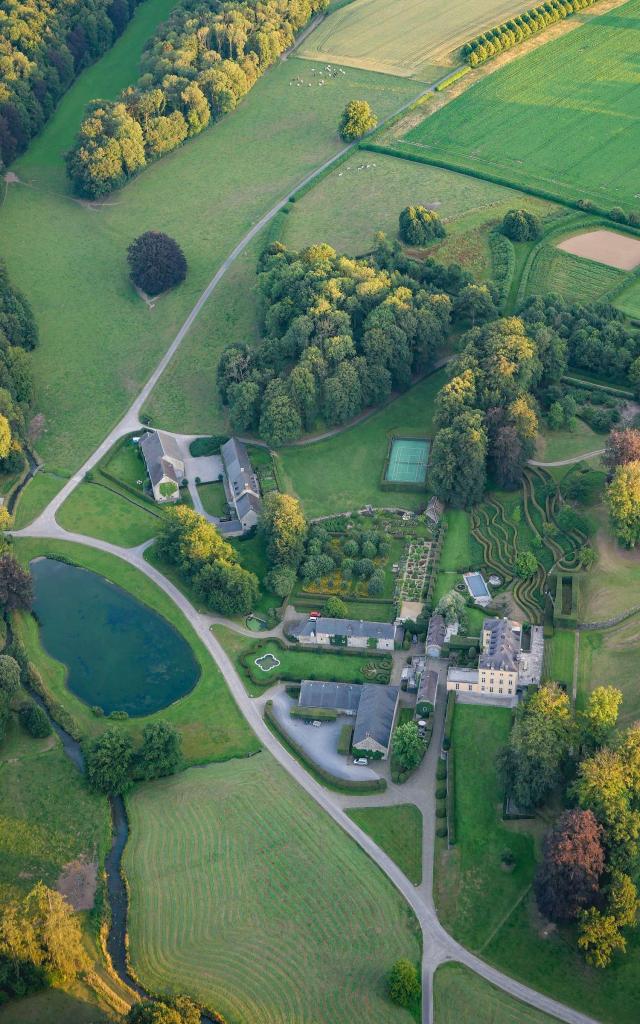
[460, 73]
[357, 786]
[314, 714]
[451, 797]
[448, 720]
[590, 385]
[344, 740]
[503, 264]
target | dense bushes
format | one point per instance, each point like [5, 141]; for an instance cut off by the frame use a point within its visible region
[18, 334]
[521, 226]
[503, 37]
[503, 264]
[43, 46]
[419, 226]
[194, 70]
[339, 335]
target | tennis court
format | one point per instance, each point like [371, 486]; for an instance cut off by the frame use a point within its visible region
[408, 461]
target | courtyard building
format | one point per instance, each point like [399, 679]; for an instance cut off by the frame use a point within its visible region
[345, 632]
[165, 464]
[241, 485]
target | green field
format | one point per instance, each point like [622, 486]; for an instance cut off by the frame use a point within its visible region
[555, 445]
[246, 896]
[576, 279]
[552, 120]
[69, 257]
[459, 996]
[398, 831]
[409, 37]
[613, 586]
[343, 473]
[76, 1006]
[99, 512]
[629, 300]
[612, 657]
[559, 653]
[456, 550]
[334, 210]
[208, 720]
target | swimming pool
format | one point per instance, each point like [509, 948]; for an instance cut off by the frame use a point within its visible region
[476, 585]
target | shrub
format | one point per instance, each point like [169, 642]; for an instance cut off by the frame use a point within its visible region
[448, 721]
[441, 809]
[442, 831]
[404, 983]
[34, 720]
[156, 262]
[441, 792]
[441, 770]
[335, 608]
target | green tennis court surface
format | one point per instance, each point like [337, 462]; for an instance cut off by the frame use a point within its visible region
[408, 461]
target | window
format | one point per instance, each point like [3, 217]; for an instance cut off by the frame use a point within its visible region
[491, 689]
[471, 686]
[500, 690]
[457, 686]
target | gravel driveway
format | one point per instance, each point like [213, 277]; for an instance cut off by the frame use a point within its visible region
[320, 744]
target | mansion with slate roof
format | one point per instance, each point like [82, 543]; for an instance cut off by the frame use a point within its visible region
[165, 465]
[345, 632]
[503, 665]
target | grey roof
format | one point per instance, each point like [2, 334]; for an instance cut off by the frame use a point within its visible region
[323, 694]
[238, 467]
[503, 647]
[246, 503]
[428, 688]
[345, 627]
[229, 526]
[156, 446]
[437, 630]
[434, 509]
[376, 712]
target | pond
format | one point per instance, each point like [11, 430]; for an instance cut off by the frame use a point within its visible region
[120, 654]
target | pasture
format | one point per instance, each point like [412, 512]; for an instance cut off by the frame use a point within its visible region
[551, 120]
[211, 727]
[410, 37]
[343, 473]
[460, 995]
[246, 897]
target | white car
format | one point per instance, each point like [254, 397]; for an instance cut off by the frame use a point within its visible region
[361, 760]
[317, 725]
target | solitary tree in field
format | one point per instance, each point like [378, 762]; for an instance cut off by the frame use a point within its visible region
[156, 262]
[404, 982]
[358, 119]
[161, 752]
[419, 226]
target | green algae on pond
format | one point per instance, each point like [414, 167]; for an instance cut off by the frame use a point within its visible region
[120, 654]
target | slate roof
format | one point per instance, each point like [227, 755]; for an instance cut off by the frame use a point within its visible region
[246, 503]
[345, 627]
[156, 446]
[376, 712]
[503, 648]
[238, 467]
[323, 694]
[428, 688]
[436, 631]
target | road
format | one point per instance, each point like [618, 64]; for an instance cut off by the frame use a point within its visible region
[438, 945]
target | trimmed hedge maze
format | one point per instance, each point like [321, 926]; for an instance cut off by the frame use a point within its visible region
[502, 537]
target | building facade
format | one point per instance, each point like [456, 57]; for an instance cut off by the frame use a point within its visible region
[502, 666]
[345, 632]
[241, 485]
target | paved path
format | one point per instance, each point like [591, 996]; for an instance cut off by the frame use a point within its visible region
[568, 462]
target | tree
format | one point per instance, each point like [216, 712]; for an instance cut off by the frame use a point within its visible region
[521, 226]
[587, 556]
[599, 718]
[335, 608]
[404, 983]
[572, 864]
[156, 262]
[281, 580]
[109, 762]
[555, 416]
[526, 564]
[357, 119]
[41, 931]
[34, 720]
[622, 446]
[599, 937]
[623, 900]
[5, 437]
[5, 713]
[187, 540]
[15, 585]
[605, 785]
[451, 606]
[180, 1010]
[161, 752]
[227, 587]
[375, 586]
[622, 498]
[285, 529]
[474, 304]
[408, 747]
[419, 226]
[458, 461]
[108, 149]
[9, 675]
[539, 743]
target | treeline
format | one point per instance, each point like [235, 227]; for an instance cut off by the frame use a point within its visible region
[18, 335]
[194, 70]
[341, 334]
[596, 336]
[503, 37]
[43, 47]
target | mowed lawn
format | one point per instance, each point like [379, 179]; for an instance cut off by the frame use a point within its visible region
[343, 473]
[99, 340]
[99, 512]
[555, 445]
[559, 652]
[408, 37]
[398, 831]
[349, 205]
[564, 118]
[209, 722]
[247, 896]
[612, 657]
[459, 996]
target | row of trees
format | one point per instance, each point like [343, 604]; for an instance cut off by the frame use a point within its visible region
[43, 46]
[503, 37]
[194, 70]
[18, 335]
[340, 334]
[211, 565]
[113, 763]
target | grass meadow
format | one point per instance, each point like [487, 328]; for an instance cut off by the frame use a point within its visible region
[575, 279]
[99, 512]
[629, 300]
[460, 995]
[245, 896]
[612, 656]
[398, 831]
[555, 445]
[99, 341]
[552, 119]
[559, 652]
[409, 37]
[343, 473]
[211, 727]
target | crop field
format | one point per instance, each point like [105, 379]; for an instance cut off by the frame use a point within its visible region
[576, 279]
[343, 473]
[564, 118]
[408, 37]
[70, 257]
[211, 727]
[246, 897]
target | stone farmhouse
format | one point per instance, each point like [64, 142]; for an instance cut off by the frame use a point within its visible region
[241, 485]
[345, 632]
[503, 666]
[165, 465]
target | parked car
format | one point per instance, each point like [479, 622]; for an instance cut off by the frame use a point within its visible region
[361, 760]
[316, 724]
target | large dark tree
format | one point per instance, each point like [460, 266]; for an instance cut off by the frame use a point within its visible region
[109, 762]
[160, 753]
[572, 863]
[521, 226]
[15, 584]
[622, 446]
[419, 226]
[156, 262]
[539, 743]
